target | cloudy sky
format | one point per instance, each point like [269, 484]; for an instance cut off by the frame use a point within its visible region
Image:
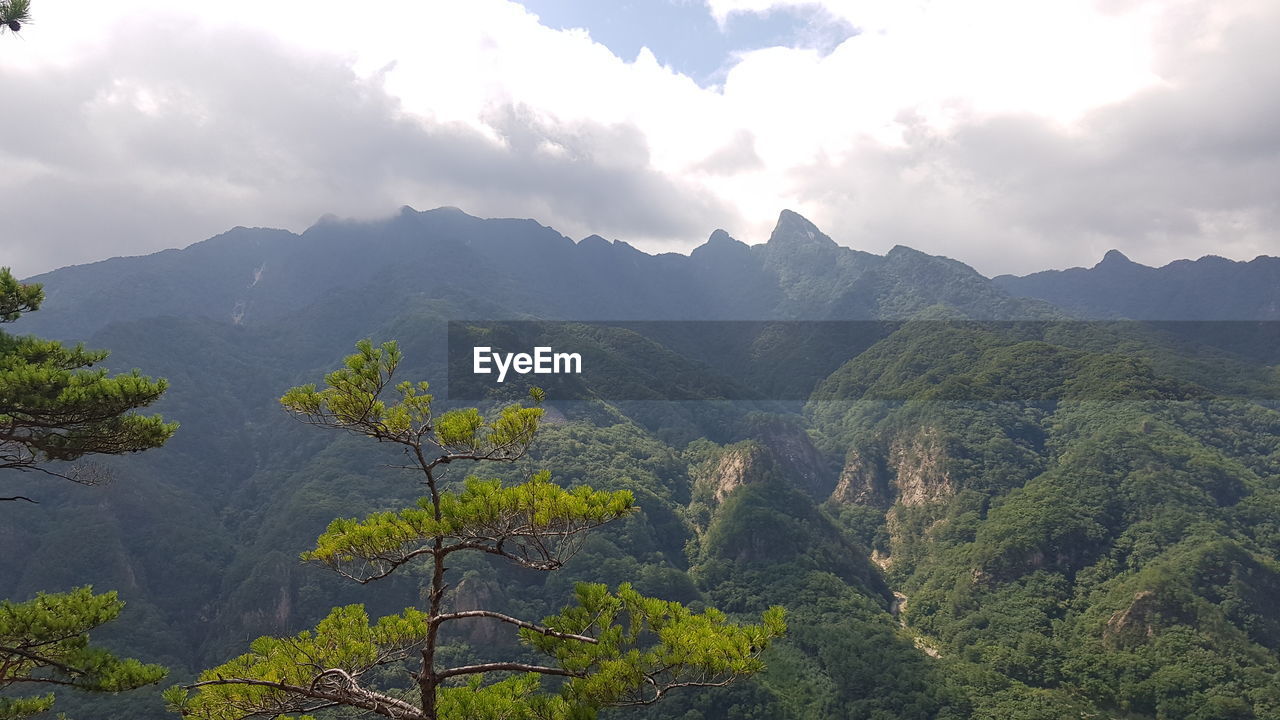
[1012, 135]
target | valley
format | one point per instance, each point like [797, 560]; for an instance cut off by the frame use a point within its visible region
[1022, 498]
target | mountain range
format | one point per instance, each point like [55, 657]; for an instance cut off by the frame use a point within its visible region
[998, 499]
[1211, 288]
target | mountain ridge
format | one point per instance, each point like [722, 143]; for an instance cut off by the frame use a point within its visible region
[1209, 288]
[251, 275]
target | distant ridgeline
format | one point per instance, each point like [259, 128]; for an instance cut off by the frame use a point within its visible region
[1046, 497]
[1211, 288]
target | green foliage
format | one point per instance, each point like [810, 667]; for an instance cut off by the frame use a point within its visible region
[343, 645]
[530, 516]
[684, 648]
[45, 641]
[52, 408]
[13, 14]
[16, 298]
[352, 401]
[612, 649]
[1076, 524]
[516, 698]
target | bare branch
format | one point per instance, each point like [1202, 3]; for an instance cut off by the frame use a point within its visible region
[380, 566]
[353, 696]
[45, 681]
[506, 667]
[514, 621]
[499, 453]
[661, 690]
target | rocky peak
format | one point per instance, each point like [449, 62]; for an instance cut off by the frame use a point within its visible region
[721, 237]
[794, 230]
[919, 466]
[738, 466]
[862, 482]
[476, 593]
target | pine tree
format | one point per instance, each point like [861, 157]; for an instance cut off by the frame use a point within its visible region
[53, 408]
[13, 14]
[45, 641]
[611, 648]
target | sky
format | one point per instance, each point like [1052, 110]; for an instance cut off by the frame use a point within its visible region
[1014, 136]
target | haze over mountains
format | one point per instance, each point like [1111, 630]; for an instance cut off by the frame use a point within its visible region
[254, 276]
[258, 275]
[1211, 288]
[988, 509]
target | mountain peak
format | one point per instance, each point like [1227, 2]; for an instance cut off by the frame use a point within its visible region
[1115, 258]
[721, 240]
[721, 237]
[904, 251]
[594, 240]
[794, 229]
[719, 245]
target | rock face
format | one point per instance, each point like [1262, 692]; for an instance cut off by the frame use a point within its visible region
[736, 467]
[779, 451]
[478, 594]
[881, 560]
[1135, 623]
[908, 471]
[863, 481]
[792, 453]
[918, 464]
[913, 473]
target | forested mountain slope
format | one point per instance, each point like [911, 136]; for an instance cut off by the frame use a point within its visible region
[1074, 520]
[981, 509]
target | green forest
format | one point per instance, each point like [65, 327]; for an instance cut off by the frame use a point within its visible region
[876, 487]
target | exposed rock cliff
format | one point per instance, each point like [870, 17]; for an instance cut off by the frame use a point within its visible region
[738, 465]
[907, 472]
[863, 481]
[797, 460]
[476, 593]
[918, 464]
[913, 472]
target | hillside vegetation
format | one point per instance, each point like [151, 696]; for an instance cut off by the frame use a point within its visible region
[973, 506]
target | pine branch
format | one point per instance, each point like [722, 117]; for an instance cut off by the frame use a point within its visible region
[662, 689]
[507, 667]
[41, 660]
[356, 697]
[514, 621]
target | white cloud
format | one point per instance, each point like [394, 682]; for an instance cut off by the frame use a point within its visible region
[1005, 133]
